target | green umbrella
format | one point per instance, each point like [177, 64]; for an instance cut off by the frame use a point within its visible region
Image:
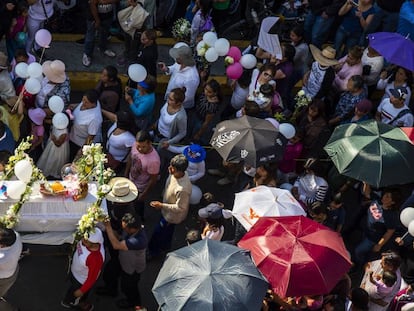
[374, 152]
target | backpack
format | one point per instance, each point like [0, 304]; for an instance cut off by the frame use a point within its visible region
[208, 24]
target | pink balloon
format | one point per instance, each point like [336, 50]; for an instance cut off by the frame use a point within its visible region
[43, 37]
[234, 52]
[234, 71]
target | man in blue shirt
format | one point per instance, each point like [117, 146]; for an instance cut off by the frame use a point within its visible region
[130, 263]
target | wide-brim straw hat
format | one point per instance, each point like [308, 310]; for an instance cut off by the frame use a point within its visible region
[123, 190]
[326, 57]
[54, 71]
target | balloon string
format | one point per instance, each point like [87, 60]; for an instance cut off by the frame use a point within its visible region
[19, 99]
[41, 56]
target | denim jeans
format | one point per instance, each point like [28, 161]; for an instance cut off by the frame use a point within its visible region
[161, 237]
[103, 33]
[382, 21]
[317, 28]
[362, 251]
[346, 38]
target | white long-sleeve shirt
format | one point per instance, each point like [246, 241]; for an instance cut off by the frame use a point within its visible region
[187, 77]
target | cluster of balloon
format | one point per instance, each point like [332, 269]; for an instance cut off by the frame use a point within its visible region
[137, 72]
[407, 219]
[43, 38]
[212, 47]
[236, 62]
[60, 120]
[33, 74]
[23, 171]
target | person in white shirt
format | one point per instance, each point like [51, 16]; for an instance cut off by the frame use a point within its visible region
[39, 12]
[86, 127]
[393, 111]
[183, 73]
[10, 249]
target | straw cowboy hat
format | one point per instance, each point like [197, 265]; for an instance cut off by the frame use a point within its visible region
[54, 71]
[326, 57]
[123, 190]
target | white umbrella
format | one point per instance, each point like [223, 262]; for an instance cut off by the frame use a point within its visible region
[254, 203]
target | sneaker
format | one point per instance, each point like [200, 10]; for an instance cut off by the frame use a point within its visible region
[224, 181]
[216, 172]
[109, 53]
[86, 60]
[67, 305]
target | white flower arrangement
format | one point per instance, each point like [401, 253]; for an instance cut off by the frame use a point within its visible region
[11, 218]
[302, 99]
[90, 166]
[181, 29]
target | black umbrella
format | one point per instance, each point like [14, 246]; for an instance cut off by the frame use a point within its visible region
[256, 141]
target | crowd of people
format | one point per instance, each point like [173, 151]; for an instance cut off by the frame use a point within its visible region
[347, 81]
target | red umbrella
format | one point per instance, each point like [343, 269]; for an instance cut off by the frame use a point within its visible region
[297, 255]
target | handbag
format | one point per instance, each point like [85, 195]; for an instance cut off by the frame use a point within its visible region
[132, 18]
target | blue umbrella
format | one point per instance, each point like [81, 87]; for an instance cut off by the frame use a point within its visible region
[395, 48]
[209, 275]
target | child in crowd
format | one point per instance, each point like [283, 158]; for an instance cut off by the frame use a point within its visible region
[36, 116]
[21, 56]
[16, 38]
[318, 212]
[383, 284]
[56, 152]
[336, 213]
[214, 216]
[287, 166]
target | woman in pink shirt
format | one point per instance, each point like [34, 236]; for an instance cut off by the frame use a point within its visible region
[348, 66]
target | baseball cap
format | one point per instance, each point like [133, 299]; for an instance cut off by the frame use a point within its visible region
[399, 92]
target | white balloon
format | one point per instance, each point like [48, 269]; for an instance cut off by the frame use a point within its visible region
[23, 170]
[196, 195]
[60, 121]
[210, 38]
[287, 130]
[407, 215]
[35, 70]
[200, 45]
[222, 46]
[32, 85]
[248, 61]
[211, 55]
[15, 189]
[21, 70]
[411, 228]
[56, 104]
[137, 72]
